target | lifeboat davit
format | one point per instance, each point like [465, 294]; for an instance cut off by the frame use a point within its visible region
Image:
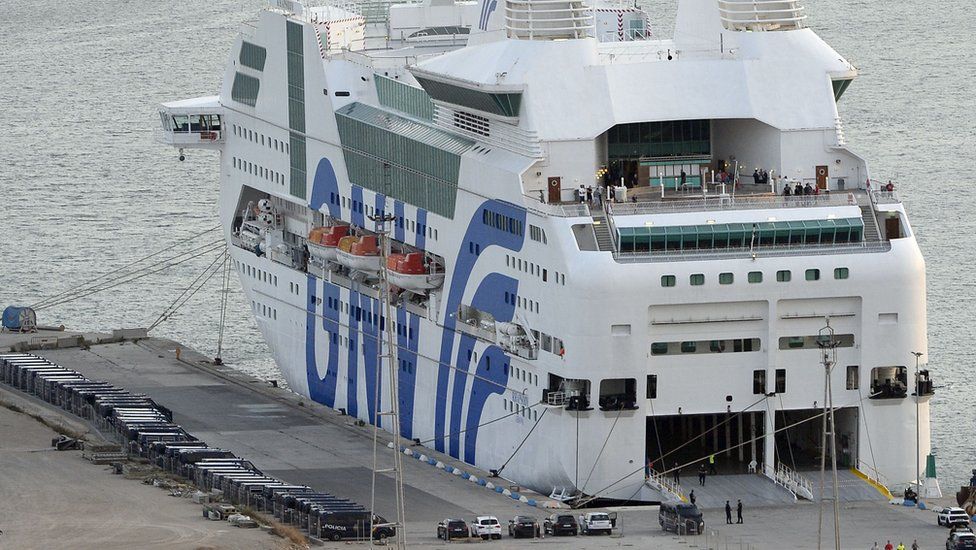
[323, 242]
[408, 272]
[359, 253]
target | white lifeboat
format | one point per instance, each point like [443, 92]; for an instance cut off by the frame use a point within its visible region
[323, 242]
[359, 253]
[408, 271]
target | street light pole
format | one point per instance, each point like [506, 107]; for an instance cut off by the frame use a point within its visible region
[918, 397]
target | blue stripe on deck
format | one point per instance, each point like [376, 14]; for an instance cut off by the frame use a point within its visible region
[370, 326]
[408, 337]
[397, 223]
[421, 228]
[323, 390]
[352, 363]
[357, 207]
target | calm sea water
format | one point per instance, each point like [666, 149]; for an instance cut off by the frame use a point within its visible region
[86, 189]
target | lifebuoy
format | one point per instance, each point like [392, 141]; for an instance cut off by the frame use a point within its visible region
[554, 183]
[822, 172]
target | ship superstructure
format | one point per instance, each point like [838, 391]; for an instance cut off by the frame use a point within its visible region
[595, 260]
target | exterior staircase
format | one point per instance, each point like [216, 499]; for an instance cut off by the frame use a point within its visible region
[872, 233]
[601, 228]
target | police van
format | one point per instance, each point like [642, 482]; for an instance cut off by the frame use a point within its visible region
[681, 518]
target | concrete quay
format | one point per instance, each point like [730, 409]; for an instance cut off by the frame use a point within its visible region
[301, 442]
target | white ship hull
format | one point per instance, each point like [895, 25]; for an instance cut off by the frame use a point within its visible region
[681, 353]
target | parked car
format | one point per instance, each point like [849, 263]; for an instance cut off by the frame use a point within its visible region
[523, 526]
[453, 529]
[953, 517]
[680, 517]
[595, 523]
[486, 527]
[353, 525]
[961, 540]
[560, 524]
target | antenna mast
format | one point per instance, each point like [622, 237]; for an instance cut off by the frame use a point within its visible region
[389, 354]
[828, 353]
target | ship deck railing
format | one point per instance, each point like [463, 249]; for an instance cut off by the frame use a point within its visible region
[649, 200]
[733, 202]
[754, 252]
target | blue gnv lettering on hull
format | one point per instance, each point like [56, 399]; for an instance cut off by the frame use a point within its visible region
[477, 238]
[323, 389]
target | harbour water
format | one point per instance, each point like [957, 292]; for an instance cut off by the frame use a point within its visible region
[87, 190]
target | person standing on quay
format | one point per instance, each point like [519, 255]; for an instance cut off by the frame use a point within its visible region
[738, 512]
[728, 513]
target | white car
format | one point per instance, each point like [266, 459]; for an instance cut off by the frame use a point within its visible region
[595, 523]
[950, 517]
[486, 527]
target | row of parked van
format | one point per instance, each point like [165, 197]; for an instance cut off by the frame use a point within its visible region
[146, 429]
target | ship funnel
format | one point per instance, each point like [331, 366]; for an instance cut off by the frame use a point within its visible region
[548, 19]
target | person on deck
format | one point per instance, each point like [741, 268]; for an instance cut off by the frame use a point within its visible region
[728, 513]
[711, 465]
[589, 194]
[798, 190]
[677, 474]
[582, 194]
[691, 497]
[889, 546]
[756, 177]
[701, 475]
[738, 512]
[786, 190]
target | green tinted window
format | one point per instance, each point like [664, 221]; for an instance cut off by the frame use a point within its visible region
[245, 89]
[668, 280]
[783, 276]
[689, 347]
[659, 348]
[726, 278]
[841, 273]
[813, 274]
[253, 56]
[698, 279]
[755, 276]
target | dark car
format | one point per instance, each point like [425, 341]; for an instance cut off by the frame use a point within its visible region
[561, 524]
[681, 518]
[353, 525]
[523, 526]
[453, 529]
[961, 540]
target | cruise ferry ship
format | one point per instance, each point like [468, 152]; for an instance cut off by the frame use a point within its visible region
[598, 273]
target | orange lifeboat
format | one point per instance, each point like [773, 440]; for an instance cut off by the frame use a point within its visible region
[409, 272]
[359, 253]
[324, 241]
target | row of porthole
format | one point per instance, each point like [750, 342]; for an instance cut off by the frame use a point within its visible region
[258, 138]
[782, 276]
[259, 171]
[258, 274]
